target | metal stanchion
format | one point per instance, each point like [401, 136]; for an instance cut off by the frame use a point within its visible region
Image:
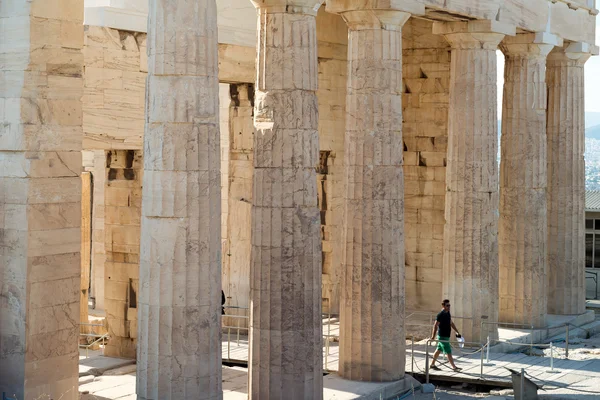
[522, 391]
[427, 362]
[412, 355]
[552, 371]
[567, 343]
[481, 365]
[487, 356]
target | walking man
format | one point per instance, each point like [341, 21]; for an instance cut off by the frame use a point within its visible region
[442, 327]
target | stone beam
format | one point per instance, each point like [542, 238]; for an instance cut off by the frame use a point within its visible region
[179, 307]
[286, 265]
[470, 272]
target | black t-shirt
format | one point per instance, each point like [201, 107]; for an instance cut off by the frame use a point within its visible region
[444, 319]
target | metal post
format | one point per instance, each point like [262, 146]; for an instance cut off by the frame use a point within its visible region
[487, 356]
[481, 371]
[531, 341]
[229, 343]
[567, 343]
[412, 355]
[522, 384]
[427, 361]
[551, 357]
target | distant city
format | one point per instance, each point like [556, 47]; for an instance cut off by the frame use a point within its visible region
[592, 150]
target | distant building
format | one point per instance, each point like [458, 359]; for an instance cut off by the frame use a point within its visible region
[592, 241]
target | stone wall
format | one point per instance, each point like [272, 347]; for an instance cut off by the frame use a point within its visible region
[426, 75]
[122, 212]
[332, 36]
[114, 88]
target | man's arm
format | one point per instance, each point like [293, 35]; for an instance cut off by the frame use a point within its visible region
[435, 328]
[454, 327]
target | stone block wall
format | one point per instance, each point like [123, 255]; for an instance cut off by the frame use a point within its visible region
[426, 76]
[122, 213]
[332, 37]
[114, 88]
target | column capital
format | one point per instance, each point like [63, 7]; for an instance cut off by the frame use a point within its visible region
[530, 45]
[310, 7]
[375, 19]
[413, 7]
[576, 52]
[480, 34]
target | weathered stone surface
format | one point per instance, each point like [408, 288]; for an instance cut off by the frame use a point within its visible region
[285, 276]
[40, 197]
[179, 353]
[122, 202]
[566, 181]
[426, 77]
[372, 293]
[522, 230]
[470, 275]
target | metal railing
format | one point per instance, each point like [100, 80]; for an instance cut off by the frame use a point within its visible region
[97, 338]
[238, 328]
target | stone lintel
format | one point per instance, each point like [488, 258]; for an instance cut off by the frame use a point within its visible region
[408, 6]
[375, 19]
[309, 7]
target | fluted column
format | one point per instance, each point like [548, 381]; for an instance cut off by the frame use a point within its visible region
[470, 271]
[566, 179]
[285, 270]
[522, 231]
[41, 86]
[179, 307]
[372, 276]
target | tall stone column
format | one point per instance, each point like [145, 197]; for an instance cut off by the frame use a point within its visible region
[372, 275]
[41, 68]
[470, 272]
[522, 231]
[566, 179]
[179, 305]
[285, 270]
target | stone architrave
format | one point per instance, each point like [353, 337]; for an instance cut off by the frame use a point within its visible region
[285, 271]
[372, 275]
[179, 304]
[41, 85]
[522, 230]
[470, 271]
[566, 178]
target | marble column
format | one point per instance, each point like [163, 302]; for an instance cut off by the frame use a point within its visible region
[372, 275]
[179, 304]
[522, 231]
[470, 271]
[566, 179]
[285, 270]
[41, 80]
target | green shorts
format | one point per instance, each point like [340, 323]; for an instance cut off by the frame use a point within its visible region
[444, 345]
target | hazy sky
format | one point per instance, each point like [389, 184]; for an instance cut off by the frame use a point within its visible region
[592, 79]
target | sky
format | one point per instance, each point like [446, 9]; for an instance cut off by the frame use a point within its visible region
[592, 79]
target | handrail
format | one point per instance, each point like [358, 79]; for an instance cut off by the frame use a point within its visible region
[595, 279]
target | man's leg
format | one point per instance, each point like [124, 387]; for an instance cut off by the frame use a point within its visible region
[449, 355]
[435, 356]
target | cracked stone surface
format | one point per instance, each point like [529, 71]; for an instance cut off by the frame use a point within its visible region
[179, 307]
[40, 197]
[522, 231]
[286, 266]
[372, 278]
[566, 182]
